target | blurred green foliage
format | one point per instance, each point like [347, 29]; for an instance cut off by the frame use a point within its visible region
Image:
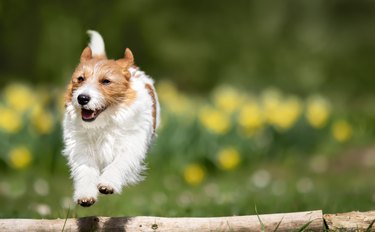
[263, 102]
[302, 46]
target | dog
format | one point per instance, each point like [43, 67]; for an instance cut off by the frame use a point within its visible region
[110, 120]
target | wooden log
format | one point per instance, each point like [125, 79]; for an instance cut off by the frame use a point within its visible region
[351, 221]
[312, 220]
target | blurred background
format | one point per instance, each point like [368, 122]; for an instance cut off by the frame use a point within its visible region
[265, 104]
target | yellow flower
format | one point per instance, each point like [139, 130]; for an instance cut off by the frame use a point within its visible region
[10, 120]
[342, 130]
[42, 120]
[250, 118]
[287, 113]
[166, 90]
[214, 120]
[19, 97]
[228, 158]
[227, 98]
[175, 102]
[271, 99]
[20, 157]
[279, 111]
[194, 174]
[318, 111]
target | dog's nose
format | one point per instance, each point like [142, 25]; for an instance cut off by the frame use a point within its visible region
[83, 99]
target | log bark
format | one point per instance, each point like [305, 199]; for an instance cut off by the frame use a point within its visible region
[311, 221]
[351, 221]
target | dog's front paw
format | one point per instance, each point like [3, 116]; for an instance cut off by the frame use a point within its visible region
[105, 189]
[86, 201]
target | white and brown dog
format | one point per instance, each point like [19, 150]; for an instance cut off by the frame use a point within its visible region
[112, 112]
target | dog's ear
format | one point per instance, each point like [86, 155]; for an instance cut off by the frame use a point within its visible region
[86, 54]
[128, 56]
[126, 62]
[128, 59]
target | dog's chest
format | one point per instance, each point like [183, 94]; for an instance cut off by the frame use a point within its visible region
[103, 148]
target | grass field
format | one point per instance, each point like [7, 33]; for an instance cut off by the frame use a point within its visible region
[215, 155]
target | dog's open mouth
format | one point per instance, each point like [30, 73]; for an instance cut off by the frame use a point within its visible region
[90, 115]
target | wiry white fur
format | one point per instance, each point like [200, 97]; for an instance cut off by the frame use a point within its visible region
[110, 150]
[96, 43]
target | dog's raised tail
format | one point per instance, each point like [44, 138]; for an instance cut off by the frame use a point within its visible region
[96, 44]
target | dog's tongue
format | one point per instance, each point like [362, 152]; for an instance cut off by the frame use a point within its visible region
[87, 114]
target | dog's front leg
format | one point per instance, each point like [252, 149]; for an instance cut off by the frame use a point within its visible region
[85, 177]
[126, 168]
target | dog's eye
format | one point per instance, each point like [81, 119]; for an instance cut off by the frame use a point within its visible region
[80, 79]
[106, 82]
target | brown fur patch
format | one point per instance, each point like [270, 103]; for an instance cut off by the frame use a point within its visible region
[153, 96]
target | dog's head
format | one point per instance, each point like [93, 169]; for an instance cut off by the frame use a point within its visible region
[99, 85]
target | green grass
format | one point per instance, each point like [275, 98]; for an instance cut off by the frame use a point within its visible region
[165, 193]
[66, 218]
[260, 220]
